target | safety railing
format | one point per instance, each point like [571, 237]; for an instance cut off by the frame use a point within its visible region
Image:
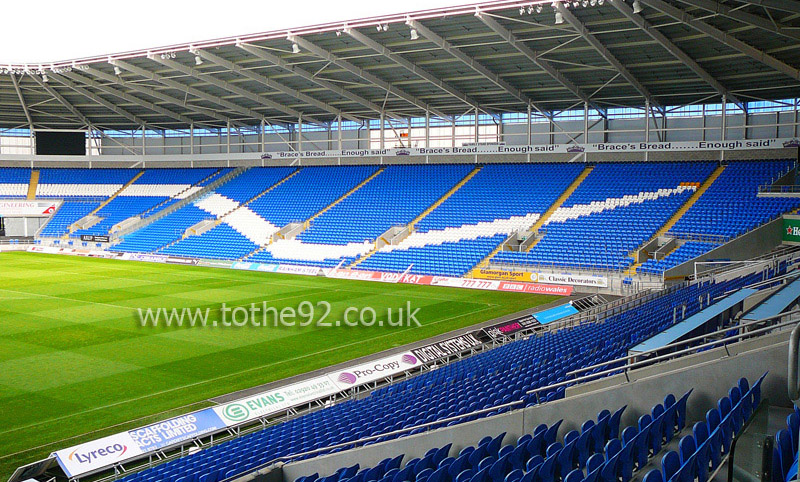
[625, 366]
[431, 425]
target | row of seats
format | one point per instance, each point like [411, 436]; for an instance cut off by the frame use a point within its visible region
[443, 259]
[393, 198]
[731, 206]
[700, 453]
[600, 451]
[219, 242]
[494, 377]
[784, 450]
[14, 182]
[611, 213]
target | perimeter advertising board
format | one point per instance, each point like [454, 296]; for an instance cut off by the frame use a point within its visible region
[274, 401]
[547, 278]
[169, 432]
[538, 149]
[97, 454]
[29, 209]
[791, 229]
[374, 370]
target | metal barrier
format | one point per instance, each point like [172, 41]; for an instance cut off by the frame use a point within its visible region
[430, 425]
[677, 354]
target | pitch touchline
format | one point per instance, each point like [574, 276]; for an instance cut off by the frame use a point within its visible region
[221, 377]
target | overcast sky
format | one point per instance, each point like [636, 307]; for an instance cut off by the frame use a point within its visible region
[50, 30]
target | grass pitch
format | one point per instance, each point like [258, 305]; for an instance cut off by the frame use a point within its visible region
[76, 364]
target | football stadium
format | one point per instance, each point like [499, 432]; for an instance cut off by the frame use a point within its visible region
[510, 241]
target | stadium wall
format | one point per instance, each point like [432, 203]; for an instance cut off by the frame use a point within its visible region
[749, 245]
[759, 126]
[709, 373]
[254, 159]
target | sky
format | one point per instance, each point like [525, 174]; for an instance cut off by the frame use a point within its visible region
[54, 30]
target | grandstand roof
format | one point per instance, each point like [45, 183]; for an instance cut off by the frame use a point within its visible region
[494, 56]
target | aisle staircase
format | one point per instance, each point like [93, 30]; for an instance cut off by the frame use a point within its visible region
[32, 185]
[113, 196]
[484, 263]
[265, 191]
[676, 216]
[444, 198]
[690, 202]
[424, 213]
[561, 199]
[358, 186]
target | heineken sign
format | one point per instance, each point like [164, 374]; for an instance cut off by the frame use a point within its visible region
[791, 229]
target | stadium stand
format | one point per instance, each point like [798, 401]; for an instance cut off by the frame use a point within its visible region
[460, 388]
[366, 204]
[14, 182]
[163, 231]
[470, 224]
[393, 198]
[731, 205]
[600, 451]
[618, 207]
[67, 213]
[150, 191]
[82, 183]
[455, 214]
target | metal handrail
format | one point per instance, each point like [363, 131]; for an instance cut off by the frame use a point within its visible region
[484, 410]
[683, 342]
[650, 361]
[496, 407]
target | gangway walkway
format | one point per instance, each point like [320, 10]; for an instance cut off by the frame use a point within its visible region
[777, 303]
[687, 327]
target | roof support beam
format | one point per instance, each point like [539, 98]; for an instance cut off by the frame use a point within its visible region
[790, 6]
[413, 68]
[468, 61]
[212, 114]
[215, 59]
[22, 101]
[673, 49]
[359, 72]
[527, 52]
[476, 66]
[724, 38]
[279, 62]
[235, 89]
[148, 74]
[86, 122]
[127, 97]
[605, 53]
[744, 17]
[96, 98]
